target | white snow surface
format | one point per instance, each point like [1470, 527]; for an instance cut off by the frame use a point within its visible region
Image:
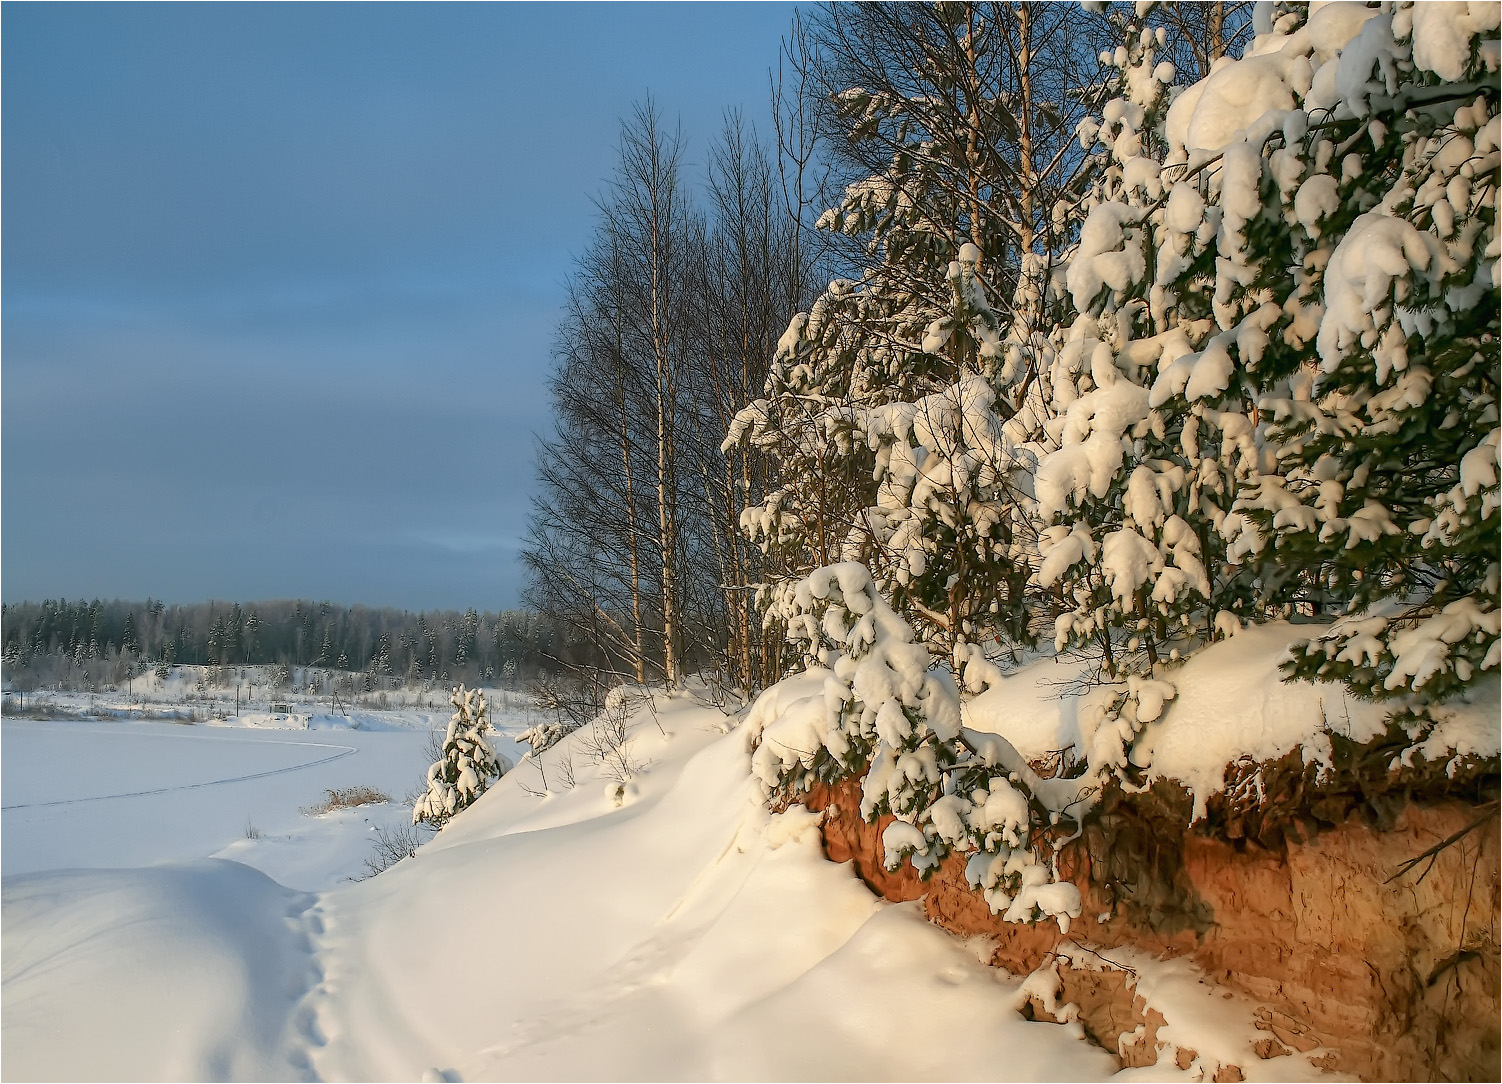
[684, 934]
[103, 787]
[1230, 705]
[670, 929]
[137, 793]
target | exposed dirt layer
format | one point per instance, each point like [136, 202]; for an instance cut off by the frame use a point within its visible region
[1397, 980]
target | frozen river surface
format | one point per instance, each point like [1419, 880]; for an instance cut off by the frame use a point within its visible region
[80, 794]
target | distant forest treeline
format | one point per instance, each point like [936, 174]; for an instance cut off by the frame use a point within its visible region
[439, 645]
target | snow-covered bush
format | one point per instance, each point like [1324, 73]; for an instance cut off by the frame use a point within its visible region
[468, 765]
[868, 701]
[608, 741]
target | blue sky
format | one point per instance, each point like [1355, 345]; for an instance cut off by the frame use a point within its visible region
[279, 281]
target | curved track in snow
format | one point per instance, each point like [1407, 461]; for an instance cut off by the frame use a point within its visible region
[343, 751]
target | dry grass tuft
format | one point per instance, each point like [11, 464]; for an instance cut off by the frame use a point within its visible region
[347, 798]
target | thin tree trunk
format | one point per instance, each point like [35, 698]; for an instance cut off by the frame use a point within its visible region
[640, 660]
[1025, 132]
[665, 512]
[1215, 17]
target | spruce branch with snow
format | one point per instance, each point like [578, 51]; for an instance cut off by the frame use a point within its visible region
[542, 736]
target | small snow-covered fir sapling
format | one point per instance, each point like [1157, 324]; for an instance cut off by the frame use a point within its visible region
[870, 701]
[468, 765]
[879, 697]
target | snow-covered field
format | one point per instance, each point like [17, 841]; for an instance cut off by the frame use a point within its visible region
[128, 794]
[116, 792]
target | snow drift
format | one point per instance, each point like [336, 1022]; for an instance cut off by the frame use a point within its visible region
[686, 933]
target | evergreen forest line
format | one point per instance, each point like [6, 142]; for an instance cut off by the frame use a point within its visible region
[83, 644]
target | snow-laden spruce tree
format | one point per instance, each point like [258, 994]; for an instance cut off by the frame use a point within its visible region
[1282, 386]
[1380, 379]
[468, 765]
[1112, 484]
[914, 475]
[1150, 427]
[951, 514]
[1339, 183]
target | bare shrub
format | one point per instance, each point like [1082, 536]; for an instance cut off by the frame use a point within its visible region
[565, 696]
[718, 689]
[392, 845]
[432, 747]
[45, 708]
[542, 773]
[630, 698]
[608, 741]
[566, 770]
